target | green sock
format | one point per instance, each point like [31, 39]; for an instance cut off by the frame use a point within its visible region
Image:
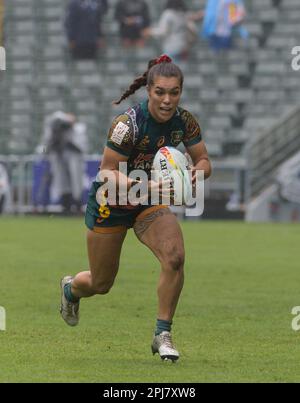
[162, 326]
[68, 293]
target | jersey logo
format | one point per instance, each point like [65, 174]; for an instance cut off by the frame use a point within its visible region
[161, 141]
[143, 161]
[119, 133]
[176, 137]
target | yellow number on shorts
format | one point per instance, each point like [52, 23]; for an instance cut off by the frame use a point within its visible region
[104, 211]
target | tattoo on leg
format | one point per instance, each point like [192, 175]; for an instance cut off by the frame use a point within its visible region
[141, 226]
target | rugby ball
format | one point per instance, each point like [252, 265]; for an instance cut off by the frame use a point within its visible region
[171, 165]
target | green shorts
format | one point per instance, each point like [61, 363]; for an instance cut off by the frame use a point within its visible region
[106, 219]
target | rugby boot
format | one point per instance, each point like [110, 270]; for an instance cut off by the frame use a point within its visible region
[163, 345]
[69, 310]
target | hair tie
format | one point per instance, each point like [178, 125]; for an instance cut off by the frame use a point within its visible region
[163, 59]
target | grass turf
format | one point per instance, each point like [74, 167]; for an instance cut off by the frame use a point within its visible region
[233, 322]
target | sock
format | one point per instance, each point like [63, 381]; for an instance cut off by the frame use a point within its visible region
[68, 293]
[162, 326]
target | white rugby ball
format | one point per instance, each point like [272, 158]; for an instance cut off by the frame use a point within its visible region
[171, 165]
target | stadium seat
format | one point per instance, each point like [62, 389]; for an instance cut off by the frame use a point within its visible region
[231, 93]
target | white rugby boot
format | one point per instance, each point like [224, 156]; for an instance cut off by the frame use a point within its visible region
[163, 345]
[69, 310]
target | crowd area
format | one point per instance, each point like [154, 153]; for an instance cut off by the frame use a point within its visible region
[177, 29]
[1, 20]
[64, 141]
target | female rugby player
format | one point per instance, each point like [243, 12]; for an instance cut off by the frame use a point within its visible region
[135, 137]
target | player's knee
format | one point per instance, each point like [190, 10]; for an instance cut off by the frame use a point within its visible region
[175, 261]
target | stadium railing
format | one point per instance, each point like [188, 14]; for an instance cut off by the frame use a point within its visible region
[269, 149]
[29, 177]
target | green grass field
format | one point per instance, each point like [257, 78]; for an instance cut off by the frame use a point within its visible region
[233, 323]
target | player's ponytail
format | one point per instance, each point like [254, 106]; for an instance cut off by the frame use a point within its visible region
[162, 66]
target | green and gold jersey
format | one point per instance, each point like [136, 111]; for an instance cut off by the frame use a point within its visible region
[136, 135]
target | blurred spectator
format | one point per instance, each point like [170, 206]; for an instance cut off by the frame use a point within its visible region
[4, 188]
[222, 19]
[83, 26]
[1, 21]
[133, 17]
[175, 29]
[234, 203]
[65, 142]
